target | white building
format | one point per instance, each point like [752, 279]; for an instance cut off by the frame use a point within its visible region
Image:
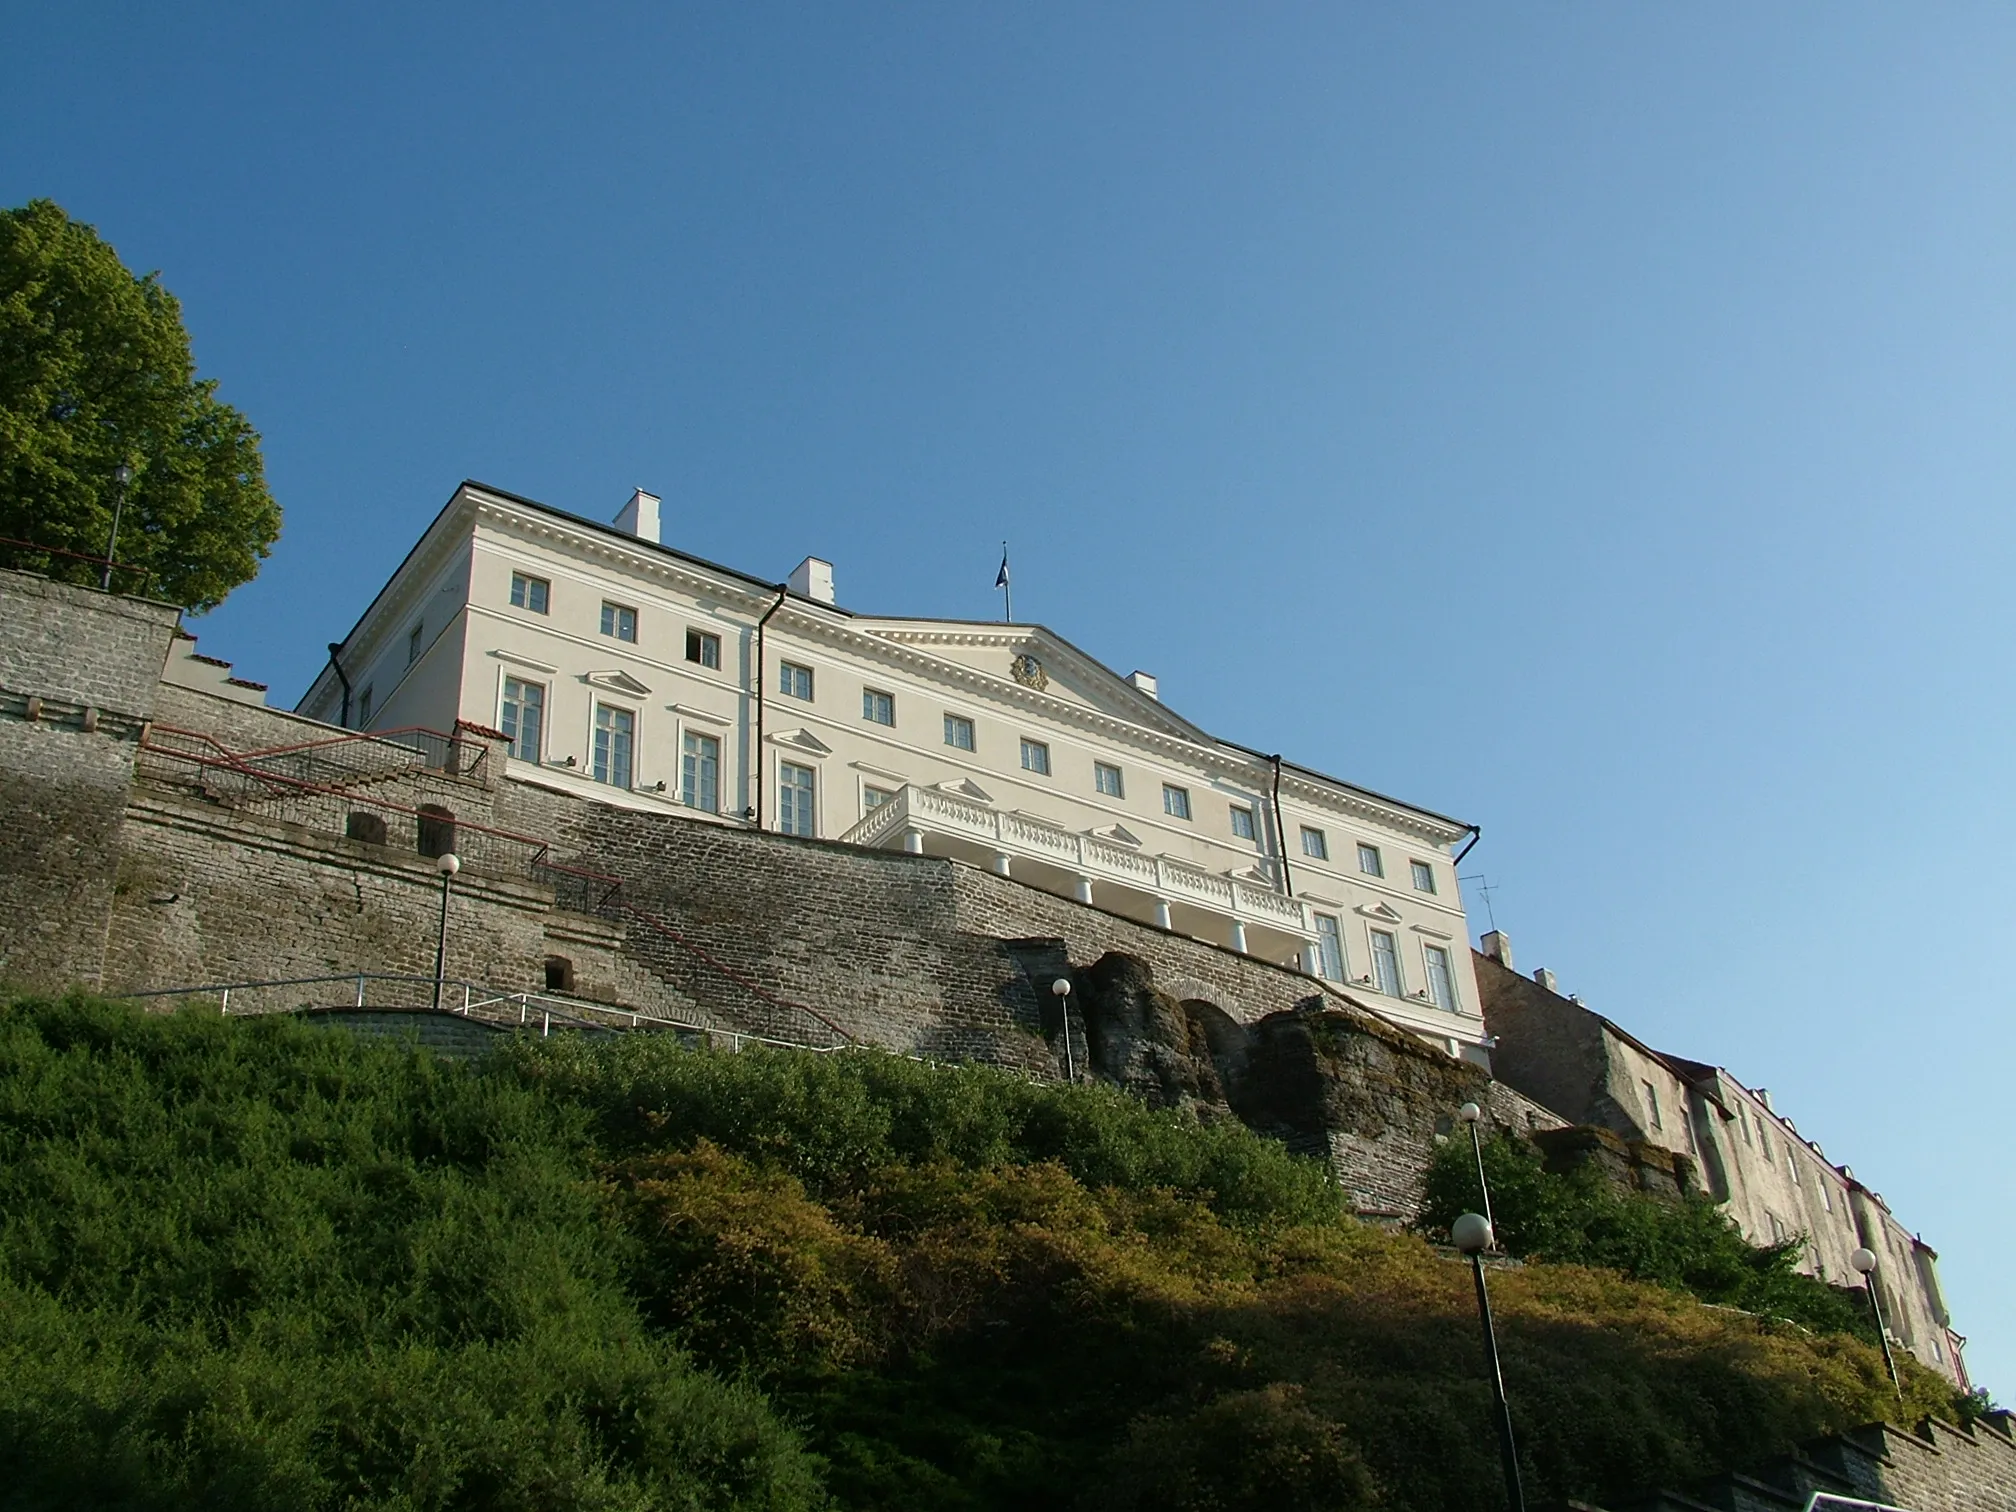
[625, 670]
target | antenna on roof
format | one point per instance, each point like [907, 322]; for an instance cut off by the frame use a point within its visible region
[1484, 891]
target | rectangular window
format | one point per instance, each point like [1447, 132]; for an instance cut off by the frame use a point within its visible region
[1424, 876]
[1242, 822]
[1175, 801]
[703, 648]
[1743, 1123]
[700, 772]
[1764, 1141]
[958, 732]
[364, 708]
[1651, 1103]
[524, 715]
[794, 681]
[619, 622]
[529, 592]
[1385, 963]
[1441, 982]
[1329, 948]
[874, 798]
[413, 645]
[1315, 843]
[794, 800]
[878, 708]
[615, 732]
[1792, 1164]
[1036, 757]
[1369, 862]
[1106, 778]
[1826, 1196]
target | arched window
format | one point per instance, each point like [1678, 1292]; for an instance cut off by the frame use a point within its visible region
[370, 828]
[437, 830]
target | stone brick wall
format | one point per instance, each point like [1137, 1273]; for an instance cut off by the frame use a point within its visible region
[78, 675]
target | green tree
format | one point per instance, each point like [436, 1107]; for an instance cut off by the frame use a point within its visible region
[95, 374]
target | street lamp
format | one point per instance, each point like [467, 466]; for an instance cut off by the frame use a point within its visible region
[1471, 1233]
[121, 476]
[1061, 990]
[447, 863]
[1473, 1115]
[1864, 1261]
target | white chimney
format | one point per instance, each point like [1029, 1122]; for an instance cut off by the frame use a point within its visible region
[1545, 978]
[1498, 947]
[812, 579]
[1145, 681]
[640, 516]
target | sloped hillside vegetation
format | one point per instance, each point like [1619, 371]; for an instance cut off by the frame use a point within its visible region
[262, 1264]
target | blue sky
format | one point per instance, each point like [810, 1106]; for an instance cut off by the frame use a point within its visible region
[1590, 421]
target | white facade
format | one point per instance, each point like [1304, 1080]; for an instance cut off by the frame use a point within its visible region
[629, 672]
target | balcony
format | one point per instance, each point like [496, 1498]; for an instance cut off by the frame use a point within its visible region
[1152, 889]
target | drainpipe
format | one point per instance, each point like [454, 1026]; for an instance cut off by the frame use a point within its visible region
[755, 810]
[1280, 834]
[342, 677]
[1476, 834]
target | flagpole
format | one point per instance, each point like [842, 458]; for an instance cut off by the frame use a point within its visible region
[1007, 589]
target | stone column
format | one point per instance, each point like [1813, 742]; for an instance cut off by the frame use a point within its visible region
[913, 841]
[1083, 890]
[1239, 935]
[1162, 914]
[1001, 864]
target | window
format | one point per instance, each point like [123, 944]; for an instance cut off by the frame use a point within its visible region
[434, 830]
[1036, 757]
[524, 717]
[1743, 1123]
[1329, 948]
[370, 828]
[794, 800]
[878, 708]
[1826, 1196]
[700, 772]
[559, 974]
[1175, 801]
[364, 708]
[413, 644]
[873, 798]
[794, 681]
[1369, 862]
[529, 592]
[1764, 1144]
[1315, 844]
[1792, 1164]
[1441, 984]
[1651, 1103]
[1424, 876]
[703, 648]
[1385, 963]
[619, 622]
[958, 732]
[1106, 778]
[615, 731]
[1242, 822]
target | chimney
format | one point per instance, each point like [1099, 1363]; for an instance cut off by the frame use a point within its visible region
[812, 579]
[1545, 978]
[1498, 947]
[640, 517]
[1146, 682]
[1764, 1097]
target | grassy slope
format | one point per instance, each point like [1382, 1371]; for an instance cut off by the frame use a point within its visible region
[261, 1264]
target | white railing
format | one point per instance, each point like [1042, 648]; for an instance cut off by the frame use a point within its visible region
[1016, 834]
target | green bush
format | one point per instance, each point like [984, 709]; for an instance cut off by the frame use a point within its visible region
[262, 1264]
[1579, 1218]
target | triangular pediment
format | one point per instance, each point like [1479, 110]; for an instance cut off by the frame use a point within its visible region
[1031, 658]
[1383, 912]
[617, 682]
[966, 787]
[1119, 834]
[802, 740]
[1250, 874]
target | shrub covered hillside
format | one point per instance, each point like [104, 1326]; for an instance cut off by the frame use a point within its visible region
[261, 1264]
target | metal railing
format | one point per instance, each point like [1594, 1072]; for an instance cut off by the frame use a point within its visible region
[479, 1002]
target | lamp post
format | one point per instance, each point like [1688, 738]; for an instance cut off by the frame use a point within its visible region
[1864, 1260]
[121, 476]
[447, 863]
[1061, 990]
[1473, 1115]
[1471, 1233]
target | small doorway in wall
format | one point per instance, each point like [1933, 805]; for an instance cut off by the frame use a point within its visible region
[559, 974]
[369, 828]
